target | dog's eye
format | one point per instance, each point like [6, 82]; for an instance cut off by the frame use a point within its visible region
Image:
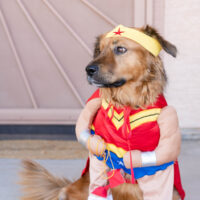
[120, 50]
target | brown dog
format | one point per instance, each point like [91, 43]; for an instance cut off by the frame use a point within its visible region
[125, 63]
[128, 75]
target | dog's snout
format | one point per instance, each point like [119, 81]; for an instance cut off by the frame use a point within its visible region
[92, 69]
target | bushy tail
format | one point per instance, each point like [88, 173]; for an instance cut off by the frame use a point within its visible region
[38, 183]
[127, 191]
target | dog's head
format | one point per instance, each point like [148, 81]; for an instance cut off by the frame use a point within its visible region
[120, 61]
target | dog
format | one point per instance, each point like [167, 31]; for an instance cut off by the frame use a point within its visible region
[127, 75]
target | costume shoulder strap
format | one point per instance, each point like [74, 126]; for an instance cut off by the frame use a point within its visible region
[96, 94]
[161, 101]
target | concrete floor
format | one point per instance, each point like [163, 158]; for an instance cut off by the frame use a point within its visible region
[189, 163]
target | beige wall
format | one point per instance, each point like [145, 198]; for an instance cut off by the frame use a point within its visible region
[182, 27]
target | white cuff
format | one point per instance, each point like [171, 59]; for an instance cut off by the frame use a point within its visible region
[148, 158]
[83, 138]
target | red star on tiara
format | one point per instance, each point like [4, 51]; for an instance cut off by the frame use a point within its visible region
[118, 32]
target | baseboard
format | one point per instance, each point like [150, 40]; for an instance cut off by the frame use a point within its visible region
[62, 132]
[190, 133]
[42, 132]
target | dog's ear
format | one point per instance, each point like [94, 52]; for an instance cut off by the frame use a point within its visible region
[167, 46]
[97, 46]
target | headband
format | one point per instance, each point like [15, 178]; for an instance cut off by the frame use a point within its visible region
[149, 43]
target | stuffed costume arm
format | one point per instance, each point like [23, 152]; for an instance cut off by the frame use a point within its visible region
[86, 116]
[95, 144]
[168, 148]
[170, 137]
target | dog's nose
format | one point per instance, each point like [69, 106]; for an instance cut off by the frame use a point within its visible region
[92, 69]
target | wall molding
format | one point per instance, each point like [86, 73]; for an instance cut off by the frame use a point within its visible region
[190, 133]
[39, 116]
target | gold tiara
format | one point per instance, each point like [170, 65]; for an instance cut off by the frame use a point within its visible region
[149, 43]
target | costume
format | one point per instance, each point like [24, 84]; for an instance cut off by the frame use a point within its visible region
[128, 129]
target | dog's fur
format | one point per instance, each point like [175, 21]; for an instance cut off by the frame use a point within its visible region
[39, 184]
[144, 73]
[141, 77]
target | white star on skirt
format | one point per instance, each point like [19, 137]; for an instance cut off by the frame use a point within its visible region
[120, 163]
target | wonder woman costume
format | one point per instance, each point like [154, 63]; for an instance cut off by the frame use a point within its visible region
[131, 129]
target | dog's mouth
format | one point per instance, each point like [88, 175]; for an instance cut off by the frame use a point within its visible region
[102, 84]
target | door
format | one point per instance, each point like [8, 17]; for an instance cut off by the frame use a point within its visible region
[45, 46]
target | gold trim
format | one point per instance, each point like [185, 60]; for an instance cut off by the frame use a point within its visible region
[117, 150]
[144, 120]
[144, 113]
[104, 104]
[144, 117]
[92, 127]
[136, 120]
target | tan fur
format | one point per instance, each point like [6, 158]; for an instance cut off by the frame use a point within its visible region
[144, 74]
[176, 195]
[127, 191]
[38, 183]
[78, 189]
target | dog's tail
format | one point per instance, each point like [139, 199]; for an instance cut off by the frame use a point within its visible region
[39, 184]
